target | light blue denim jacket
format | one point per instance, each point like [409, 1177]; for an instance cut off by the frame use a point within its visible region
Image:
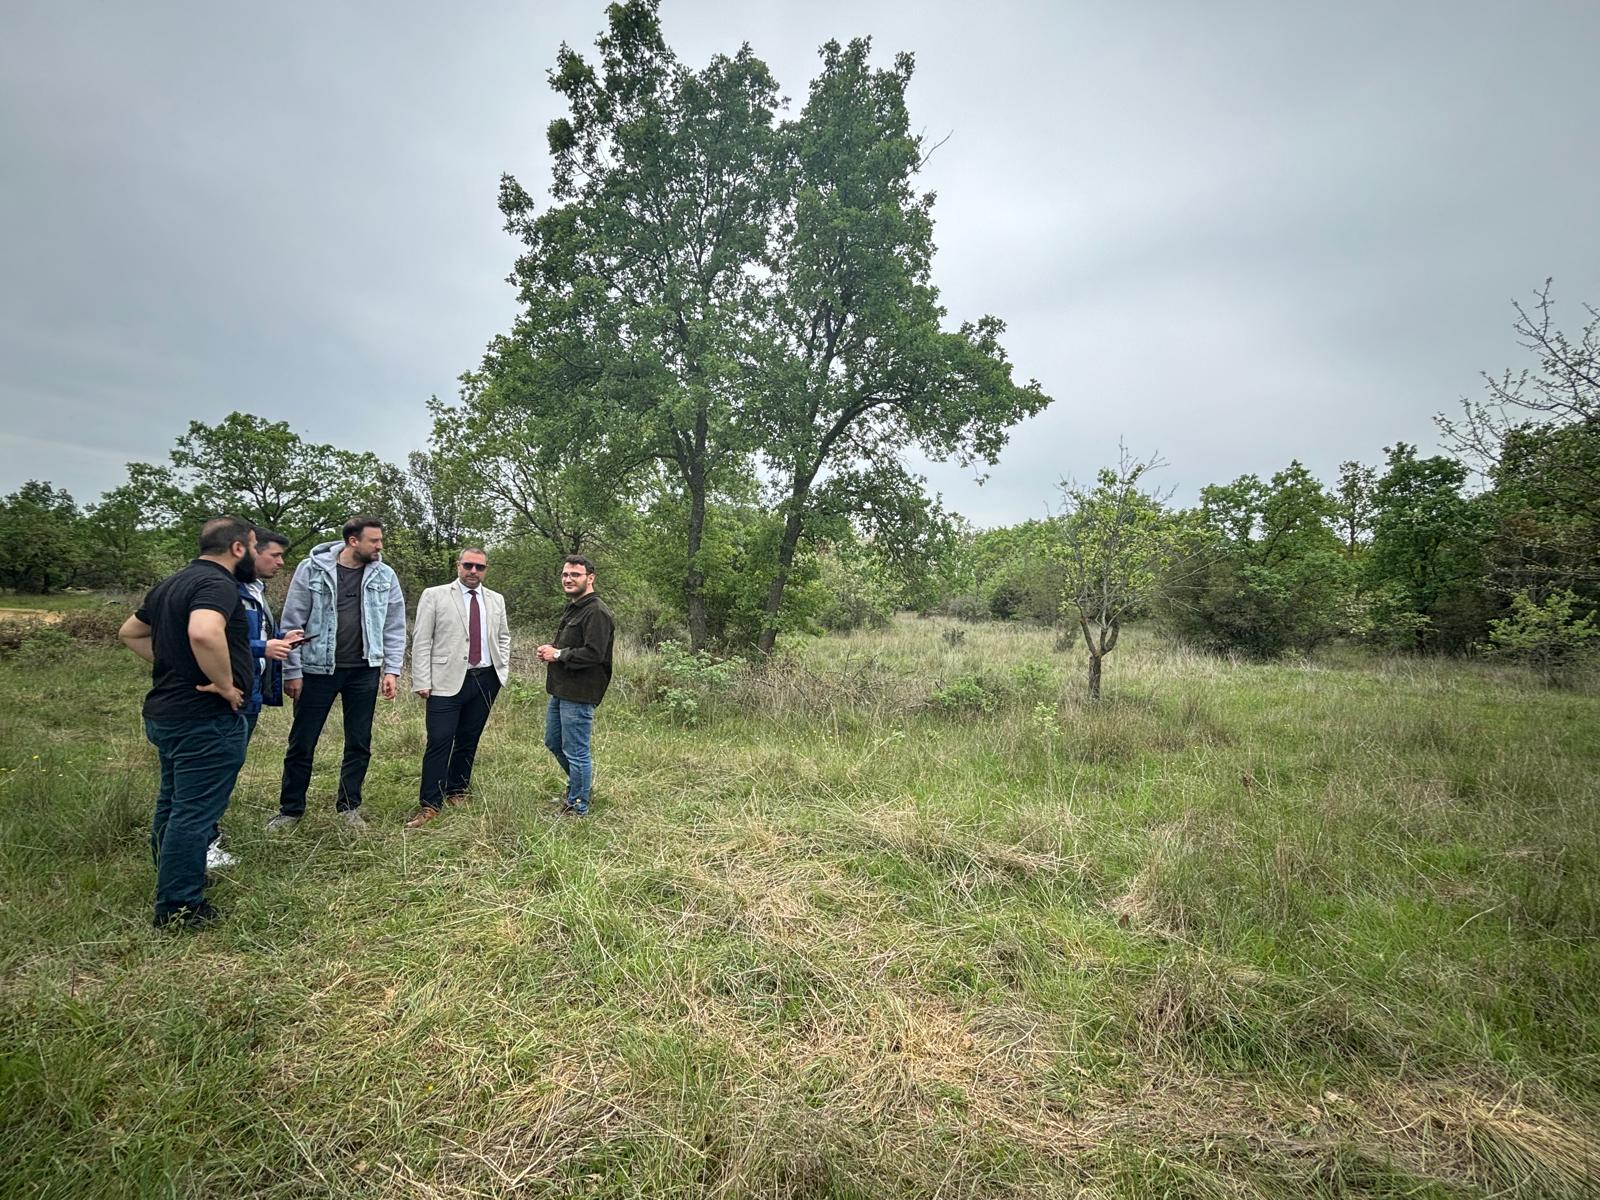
[313, 605]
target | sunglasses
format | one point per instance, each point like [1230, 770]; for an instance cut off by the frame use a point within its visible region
[474, 566]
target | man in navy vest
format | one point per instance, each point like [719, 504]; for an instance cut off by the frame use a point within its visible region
[270, 649]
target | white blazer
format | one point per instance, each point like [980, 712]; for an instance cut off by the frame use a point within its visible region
[439, 641]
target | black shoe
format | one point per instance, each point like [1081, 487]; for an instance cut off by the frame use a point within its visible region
[192, 916]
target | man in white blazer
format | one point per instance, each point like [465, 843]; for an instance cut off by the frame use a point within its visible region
[460, 656]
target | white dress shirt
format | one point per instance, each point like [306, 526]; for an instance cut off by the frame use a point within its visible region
[483, 624]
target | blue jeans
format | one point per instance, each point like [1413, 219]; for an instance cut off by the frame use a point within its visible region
[200, 762]
[250, 720]
[567, 725]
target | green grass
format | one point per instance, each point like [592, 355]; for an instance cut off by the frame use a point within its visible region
[896, 916]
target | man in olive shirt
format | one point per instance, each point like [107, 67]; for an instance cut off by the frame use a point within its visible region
[192, 629]
[577, 673]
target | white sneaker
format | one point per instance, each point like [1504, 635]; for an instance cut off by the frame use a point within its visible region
[353, 818]
[217, 857]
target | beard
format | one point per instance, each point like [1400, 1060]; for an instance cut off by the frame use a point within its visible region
[245, 569]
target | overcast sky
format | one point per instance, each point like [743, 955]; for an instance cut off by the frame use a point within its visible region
[1232, 233]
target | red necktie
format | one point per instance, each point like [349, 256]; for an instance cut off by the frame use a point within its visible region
[474, 631]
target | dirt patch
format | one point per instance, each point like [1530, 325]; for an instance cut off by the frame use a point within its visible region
[41, 616]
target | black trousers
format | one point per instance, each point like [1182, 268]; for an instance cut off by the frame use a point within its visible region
[357, 690]
[455, 723]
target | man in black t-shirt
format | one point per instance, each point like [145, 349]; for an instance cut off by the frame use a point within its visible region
[192, 629]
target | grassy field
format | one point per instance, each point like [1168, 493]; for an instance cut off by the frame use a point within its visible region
[898, 916]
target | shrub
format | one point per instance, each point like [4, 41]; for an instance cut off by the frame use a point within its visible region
[968, 607]
[92, 624]
[691, 680]
[44, 644]
[13, 634]
[1546, 637]
[966, 693]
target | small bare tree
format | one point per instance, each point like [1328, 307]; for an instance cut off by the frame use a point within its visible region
[1116, 542]
[1561, 394]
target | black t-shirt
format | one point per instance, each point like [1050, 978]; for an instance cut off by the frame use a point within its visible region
[176, 674]
[349, 648]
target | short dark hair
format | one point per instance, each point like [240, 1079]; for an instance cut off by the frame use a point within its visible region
[354, 526]
[466, 550]
[218, 535]
[266, 537]
[579, 560]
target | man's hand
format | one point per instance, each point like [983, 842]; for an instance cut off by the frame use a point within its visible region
[231, 694]
[278, 648]
[390, 686]
[424, 692]
[291, 688]
[546, 653]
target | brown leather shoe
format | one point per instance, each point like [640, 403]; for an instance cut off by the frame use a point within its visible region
[456, 799]
[422, 816]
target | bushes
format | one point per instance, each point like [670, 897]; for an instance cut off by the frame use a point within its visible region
[93, 624]
[1028, 683]
[1230, 604]
[1545, 636]
[690, 682]
[42, 640]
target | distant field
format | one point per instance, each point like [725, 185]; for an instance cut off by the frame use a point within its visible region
[898, 916]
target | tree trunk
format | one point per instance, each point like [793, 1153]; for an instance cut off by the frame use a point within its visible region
[694, 580]
[1094, 676]
[792, 526]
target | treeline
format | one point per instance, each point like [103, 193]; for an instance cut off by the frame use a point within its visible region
[442, 499]
[1493, 547]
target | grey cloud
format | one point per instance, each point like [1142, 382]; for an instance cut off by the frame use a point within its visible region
[1236, 233]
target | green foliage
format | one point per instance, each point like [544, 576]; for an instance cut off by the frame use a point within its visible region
[639, 280]
[738, 553]
[43, 646]
[1012, 573]
[134, 531]
[850, 362]
[1536, 436]
[428, 519]
[1554, 637]
[966, 693]
[690, 681]
[1117, 541]
[265, 472]
[715, 287]
[1353, 504]
[42, 547]
[1272, 575]
[862, 590]
[550, 457]
[1426, 556]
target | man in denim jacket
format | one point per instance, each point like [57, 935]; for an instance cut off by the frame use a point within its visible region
[349, 603]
